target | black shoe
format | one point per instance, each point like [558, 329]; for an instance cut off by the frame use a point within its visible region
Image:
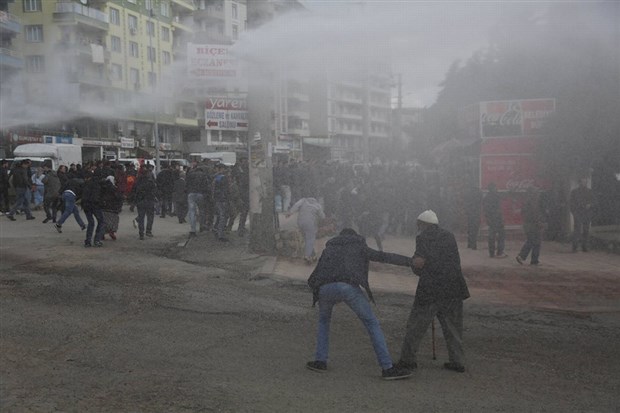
[83, 227]
[319, 366]
[141, 237]
[11, 217]
[395, 373]
[30, 218]
[407, 366]
[584, 249]
[454, 367]
[162, 216]
[192, 234]
[87, 244]
[223, 239]
[46, 220]
[535, 263]
[58, 228]
[98, 244]
[149, 234]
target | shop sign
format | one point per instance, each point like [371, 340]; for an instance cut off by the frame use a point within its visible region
[128, 143]
[224, 113]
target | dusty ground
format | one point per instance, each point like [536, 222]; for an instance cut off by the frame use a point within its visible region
[151, 326]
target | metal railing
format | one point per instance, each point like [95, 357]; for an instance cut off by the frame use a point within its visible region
[9, 52]
[83, 10]
[8, 17]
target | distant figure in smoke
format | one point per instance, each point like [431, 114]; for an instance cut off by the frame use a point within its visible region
[145, 196]
[492, 206]
[473, 206]
[581, 207]
[310, 213]
[532, 226]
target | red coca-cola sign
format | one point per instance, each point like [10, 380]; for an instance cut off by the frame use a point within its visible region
[509, 118]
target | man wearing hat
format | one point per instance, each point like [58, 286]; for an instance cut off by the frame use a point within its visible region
[440, 293]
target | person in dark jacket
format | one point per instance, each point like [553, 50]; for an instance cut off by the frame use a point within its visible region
[179, 197]
[52, 184]
[473, 204]
[165, 184]
[531, 213]
[221, 199]
[71, 193]
[338, 276]
[196, 187]
[440, 293]
[492, 207]
[4, 186]
[92, 206]
[22, 183]
[580, 204]
[145, 196]
[111, 205]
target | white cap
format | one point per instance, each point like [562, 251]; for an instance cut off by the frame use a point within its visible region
[429, 217]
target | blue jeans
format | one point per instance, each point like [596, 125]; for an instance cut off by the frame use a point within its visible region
[70, 208]
[334, 293]
[22, 200]
[196, 201]
[90, 217]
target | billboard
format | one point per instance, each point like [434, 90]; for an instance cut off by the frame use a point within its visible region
[516, 172]
[509, 118]
[211, 62]
[226, 113]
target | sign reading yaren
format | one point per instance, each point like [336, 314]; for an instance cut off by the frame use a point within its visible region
[206, 61]
[223, 113]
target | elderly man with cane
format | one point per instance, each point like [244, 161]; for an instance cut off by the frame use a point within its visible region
[440, 293]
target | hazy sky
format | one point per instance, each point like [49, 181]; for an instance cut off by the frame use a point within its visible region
[421, 38]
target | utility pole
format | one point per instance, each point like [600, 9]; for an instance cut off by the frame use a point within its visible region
[261, 141]
[151, 55]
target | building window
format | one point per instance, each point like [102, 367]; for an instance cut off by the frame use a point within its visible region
[148, 4]
[32, 5]
[133, 49]
[166, 58]
[132, 22]
[235, 32]
[220, 28]
[152, 79]
[35, 64]
[117, 72]
[165, 34]
[234, 11]
[151, 54]
[134, 77]
[115, 16]
[115, 44]
[34, 34]
[165, 8]
[150, 28]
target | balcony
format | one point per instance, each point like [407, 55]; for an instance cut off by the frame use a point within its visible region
[188, 5]
[9, 23]
[182, 24]
[82, 15]
[92, 79]
[11, 59]
[79, 49]
[211, 13]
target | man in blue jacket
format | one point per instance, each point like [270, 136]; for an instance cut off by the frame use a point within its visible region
[440, 293]
[338, 276]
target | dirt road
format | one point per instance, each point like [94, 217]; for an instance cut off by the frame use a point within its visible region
[153, 327]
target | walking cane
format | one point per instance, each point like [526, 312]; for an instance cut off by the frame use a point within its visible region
[433, 338]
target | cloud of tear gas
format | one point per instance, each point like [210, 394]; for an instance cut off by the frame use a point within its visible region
[418, 39]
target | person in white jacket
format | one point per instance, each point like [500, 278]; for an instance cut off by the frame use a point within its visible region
[309, 213]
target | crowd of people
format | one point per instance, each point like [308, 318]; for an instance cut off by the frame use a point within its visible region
[375, 200]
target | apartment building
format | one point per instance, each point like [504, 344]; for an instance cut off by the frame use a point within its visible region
[351, 117]
[11, 61]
